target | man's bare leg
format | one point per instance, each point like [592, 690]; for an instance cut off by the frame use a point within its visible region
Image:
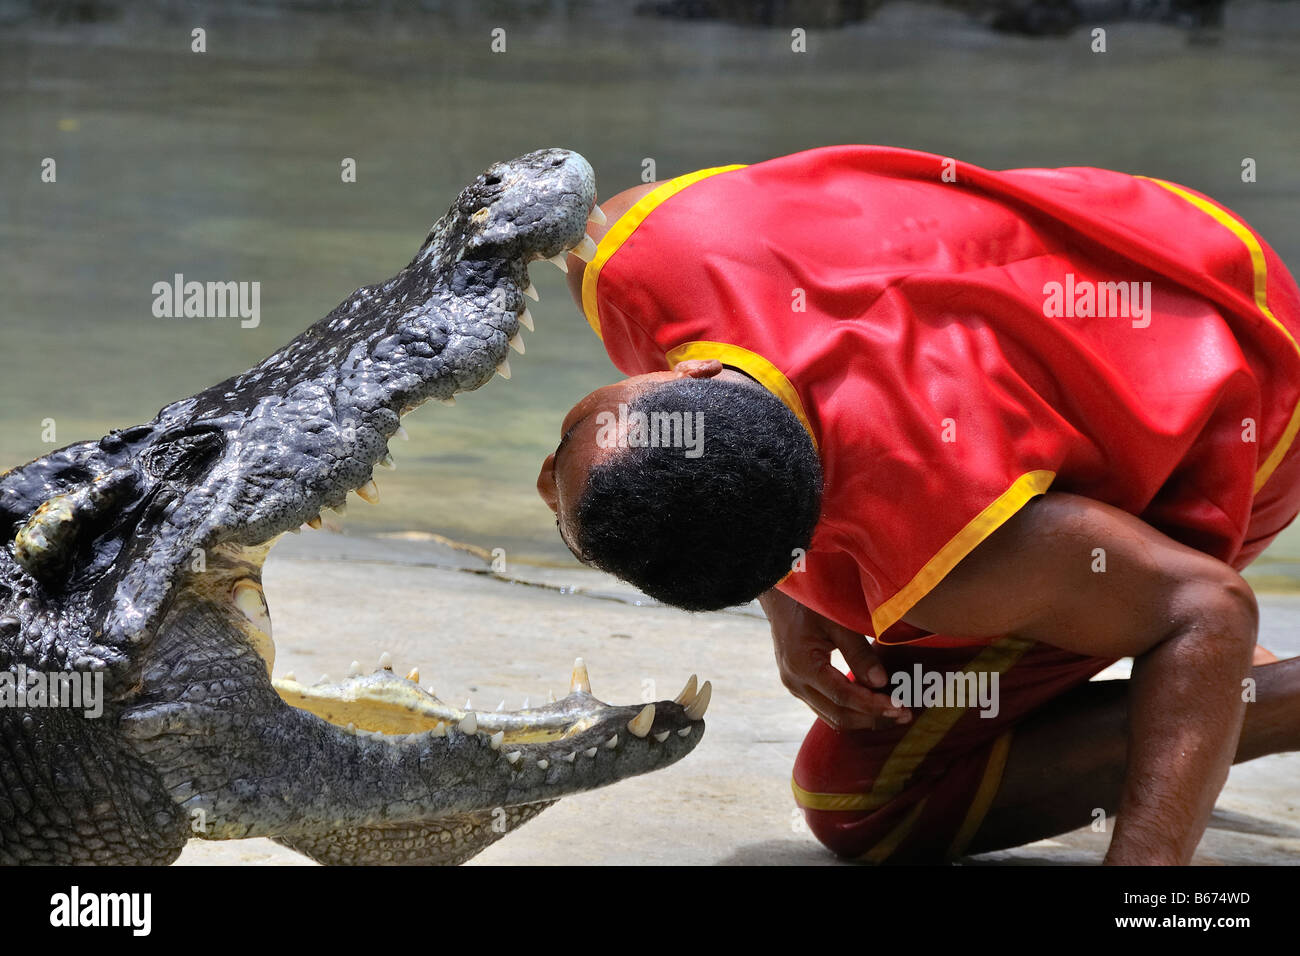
[1068, 759]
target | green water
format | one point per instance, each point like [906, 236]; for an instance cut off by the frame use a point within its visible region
[225, 165]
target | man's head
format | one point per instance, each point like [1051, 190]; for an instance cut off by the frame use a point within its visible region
[697, 489]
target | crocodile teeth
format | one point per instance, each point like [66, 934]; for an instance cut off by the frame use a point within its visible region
[340, 509]
[517, 343]
[585, 250]
[543, 764]
[351, 728]
[314, 522]
[469, 725]
[550, 696]
[501, 706]
[387, 462]
[449, 400]
[640, 725]
[369, 492]
[497, 738]
[469, 703]
[439, 730]
[684, 732]
[386, 661]
[513, 757]
[590, 751]
[413, 675]
[323, 679]
[354, 669]
[569, 758]
[662, 736]
[526, 320]
[289, 675]
[701, 703]
[525, 707]
[504, 369]
[531, 292]
[612, 742]
[579, 682]
[597, 215]
[558, 261]
[401, 433]
[688, 692]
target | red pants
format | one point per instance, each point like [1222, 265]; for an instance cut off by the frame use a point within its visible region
[917, 793]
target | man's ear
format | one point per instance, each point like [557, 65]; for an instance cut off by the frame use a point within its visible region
[697, 368]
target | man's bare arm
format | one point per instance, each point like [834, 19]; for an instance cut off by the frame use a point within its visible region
[1189, 619]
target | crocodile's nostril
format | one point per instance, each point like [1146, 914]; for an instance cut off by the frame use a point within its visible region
[491, 180]
[557, 162]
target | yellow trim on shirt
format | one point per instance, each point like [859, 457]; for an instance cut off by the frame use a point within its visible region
[627, 224]
[961, 544]
[753, 365]
[810, 800]
[988, 789]
[1259, 265]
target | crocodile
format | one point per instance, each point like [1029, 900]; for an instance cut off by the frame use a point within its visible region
[133, 563]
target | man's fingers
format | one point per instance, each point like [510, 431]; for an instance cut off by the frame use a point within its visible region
[860, 656]
[841, 718]
[844, 693]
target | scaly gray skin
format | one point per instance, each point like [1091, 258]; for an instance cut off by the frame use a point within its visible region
[140, 556]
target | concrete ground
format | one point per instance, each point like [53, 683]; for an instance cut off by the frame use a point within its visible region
[491, 636]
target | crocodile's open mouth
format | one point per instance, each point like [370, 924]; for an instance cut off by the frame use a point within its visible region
[559, 736]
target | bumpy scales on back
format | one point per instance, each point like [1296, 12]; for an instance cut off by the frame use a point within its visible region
[138, 557]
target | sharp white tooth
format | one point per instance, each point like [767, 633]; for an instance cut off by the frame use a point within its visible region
[543, 764]
[612, 742]
[504, 369]
[558, 260]
[640, 725]
[501, 706]
[354, 669]
[386, 661]
[526, 320]
[499, 736]
[569, 758]
[525, 707]
[662, 736]
[332, 523]
[531, 292]
[585, 250]
[469, 724]
[248, 597]
[323, 679]
[469, 703]
[688, 692]
[550, 696]
[701, 703]
[590, 751]
[314, 522]
[413, 675]
[684, 732]
[429, 688]
[387, 462]
[580, 682]
[517, 343]
[351, 728]
[289, 675]
[597, 215]
[369, 492]
[439, 730]
[401, 433]
[449, 400]
[513, 757]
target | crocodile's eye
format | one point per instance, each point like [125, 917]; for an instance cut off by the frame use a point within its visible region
[184, 456]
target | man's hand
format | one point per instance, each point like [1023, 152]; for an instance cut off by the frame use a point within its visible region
[803, 641]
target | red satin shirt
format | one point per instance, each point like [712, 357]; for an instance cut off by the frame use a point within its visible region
[957, 340]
